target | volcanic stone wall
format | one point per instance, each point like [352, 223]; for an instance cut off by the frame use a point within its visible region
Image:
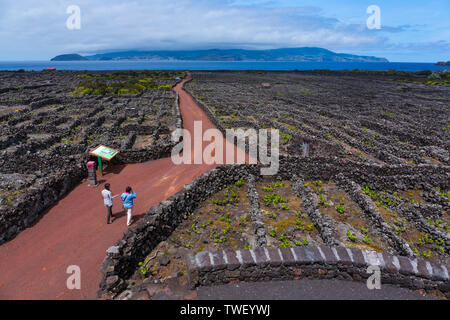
[157, 151]
[29, 207]
[310, 262]
[401, 176]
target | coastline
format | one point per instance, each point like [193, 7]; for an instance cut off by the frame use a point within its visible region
[215, 65]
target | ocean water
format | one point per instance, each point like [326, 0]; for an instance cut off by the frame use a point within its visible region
[215, 65]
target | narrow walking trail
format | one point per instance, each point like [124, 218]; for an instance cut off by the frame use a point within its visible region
[74, 231]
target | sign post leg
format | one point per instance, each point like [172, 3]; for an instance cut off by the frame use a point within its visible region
[100, 165]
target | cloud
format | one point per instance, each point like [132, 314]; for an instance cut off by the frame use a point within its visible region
[177, 24]
[401, 28]
[38, 29]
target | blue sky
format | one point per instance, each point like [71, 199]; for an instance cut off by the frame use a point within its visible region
[410, 30]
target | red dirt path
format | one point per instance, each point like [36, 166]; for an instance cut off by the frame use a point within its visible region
[74, 231]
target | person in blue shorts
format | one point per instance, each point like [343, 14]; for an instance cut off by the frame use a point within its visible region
[127, 198]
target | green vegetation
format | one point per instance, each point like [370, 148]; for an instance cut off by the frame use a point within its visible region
[426, 254]
[398, 229]
[380, 199]
[240, 182]
[351, 237]
[432, 244]
[443, 194]
[143, 268]
[316, 187]
[306, 91]
[132, 82]
[321, 199]
[435, 78]
[225, 219]
[274, 199]
[165, 87]
[230, 195]
[278, 184]
[390, 114]
[340, 209]
[366, 239]
[285, 242]
[12, 196]
[285, 137]
[135, 74]
[118, 88]
[244, 220]
[68, 140]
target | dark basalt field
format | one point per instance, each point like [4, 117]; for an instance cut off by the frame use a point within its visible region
[364, 159]
[49, 121]
[370, 117]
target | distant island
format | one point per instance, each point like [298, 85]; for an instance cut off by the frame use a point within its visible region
[69, 57]
[286, 54]
[442, 63]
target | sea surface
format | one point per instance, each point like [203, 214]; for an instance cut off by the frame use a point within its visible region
[215, 65]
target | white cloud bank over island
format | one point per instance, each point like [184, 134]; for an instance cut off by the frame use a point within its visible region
[37, 30]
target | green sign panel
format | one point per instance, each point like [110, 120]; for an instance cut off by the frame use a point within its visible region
[104, 152]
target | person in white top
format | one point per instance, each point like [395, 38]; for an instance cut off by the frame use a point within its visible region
[108, 201]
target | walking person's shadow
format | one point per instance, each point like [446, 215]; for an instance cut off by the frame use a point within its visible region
[123, 213]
